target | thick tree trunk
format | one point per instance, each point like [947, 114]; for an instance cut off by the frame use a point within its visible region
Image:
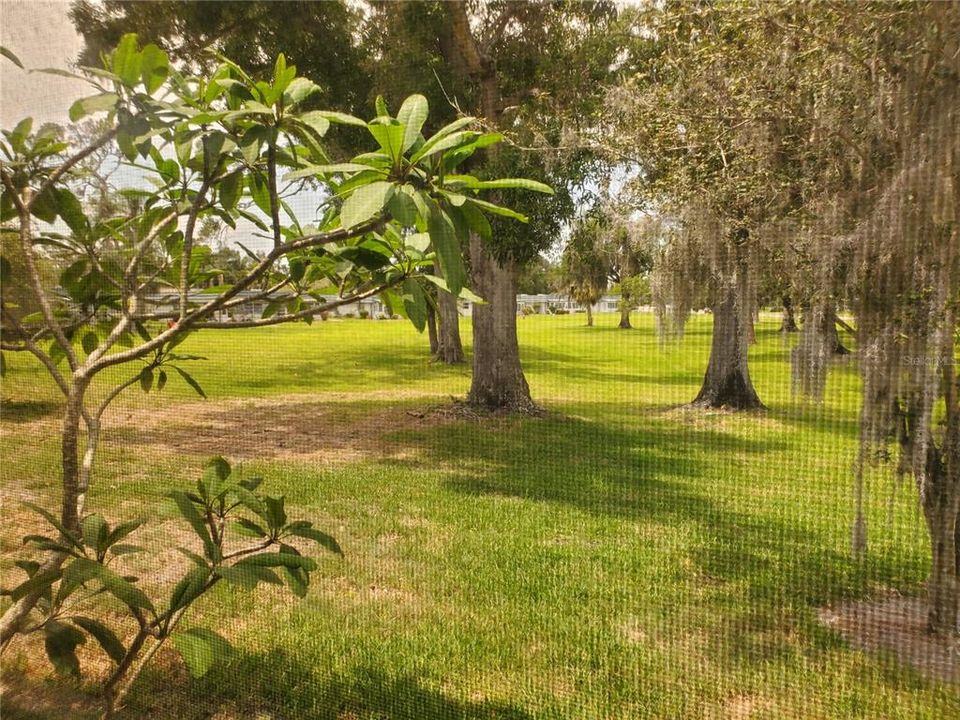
[449, 346]
[940, 497]
[943, 585]
[727, 380]
[589, 315]
[789, 322]
[829, 330]
[432, 329]
[625, 317]
[498, 380]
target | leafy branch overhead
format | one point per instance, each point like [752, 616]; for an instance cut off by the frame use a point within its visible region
[232, 148]
[116, 278]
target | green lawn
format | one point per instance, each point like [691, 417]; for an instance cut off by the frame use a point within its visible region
[620, 557]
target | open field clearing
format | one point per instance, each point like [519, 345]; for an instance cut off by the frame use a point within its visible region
[619, 557]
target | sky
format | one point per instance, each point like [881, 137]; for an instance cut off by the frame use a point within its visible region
[41, 35]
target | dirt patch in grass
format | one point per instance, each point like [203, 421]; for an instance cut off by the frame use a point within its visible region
[896, 625]
[25, 696]
[323, 427]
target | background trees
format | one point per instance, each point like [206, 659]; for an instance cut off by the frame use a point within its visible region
[584, 267]
[815, 149]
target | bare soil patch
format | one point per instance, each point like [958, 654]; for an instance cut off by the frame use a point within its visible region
[327, 427]
[897, 625]
[25, 696]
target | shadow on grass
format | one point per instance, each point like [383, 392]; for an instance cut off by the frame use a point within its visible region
[764, 562]
[22, 411]
[280, 686]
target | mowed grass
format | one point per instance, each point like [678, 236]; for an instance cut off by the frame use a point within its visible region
[621, 557]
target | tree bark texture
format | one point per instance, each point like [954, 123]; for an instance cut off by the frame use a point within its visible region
[727, 380]
[589, 315]
[432, 329]
[789, 322]
[449, 346]
[498, 380]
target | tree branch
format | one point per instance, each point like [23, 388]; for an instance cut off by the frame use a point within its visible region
[80, 156]
[217, 303]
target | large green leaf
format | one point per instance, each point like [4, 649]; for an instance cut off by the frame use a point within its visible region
[127, 60]
[44, 206]
[390, 138]
[154, 67]
[73, 539]
[415, 303]
[190, 587]
[443, 236]
[37, 582]
[412, 115]
[190, 381]
[449, 129]
[316, 121]
[71, 210]
[341, 118]
[465, 293]
[192, 515]
[365, 202]
[200, 648]
[93, 104]
[402, 208]
[230, 189]
[306, 530]
[468, 181]
[315, 170]
[451, 141]
[18, 136]
[260, 191]
[299, 90]
[247, 576]
[496, 209]
[121, 531]
[95, 532]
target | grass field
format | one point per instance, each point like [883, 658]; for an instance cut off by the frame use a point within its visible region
[621, 557]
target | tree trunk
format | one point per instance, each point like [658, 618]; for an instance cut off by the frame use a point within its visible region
[449, 346]
[943, 585]
[498, 380]
[789, 322]
[940, 497]
[589, 315]
[624, 316]
[74, 491]
[829, 330]
[727, 380]
[432, 329]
